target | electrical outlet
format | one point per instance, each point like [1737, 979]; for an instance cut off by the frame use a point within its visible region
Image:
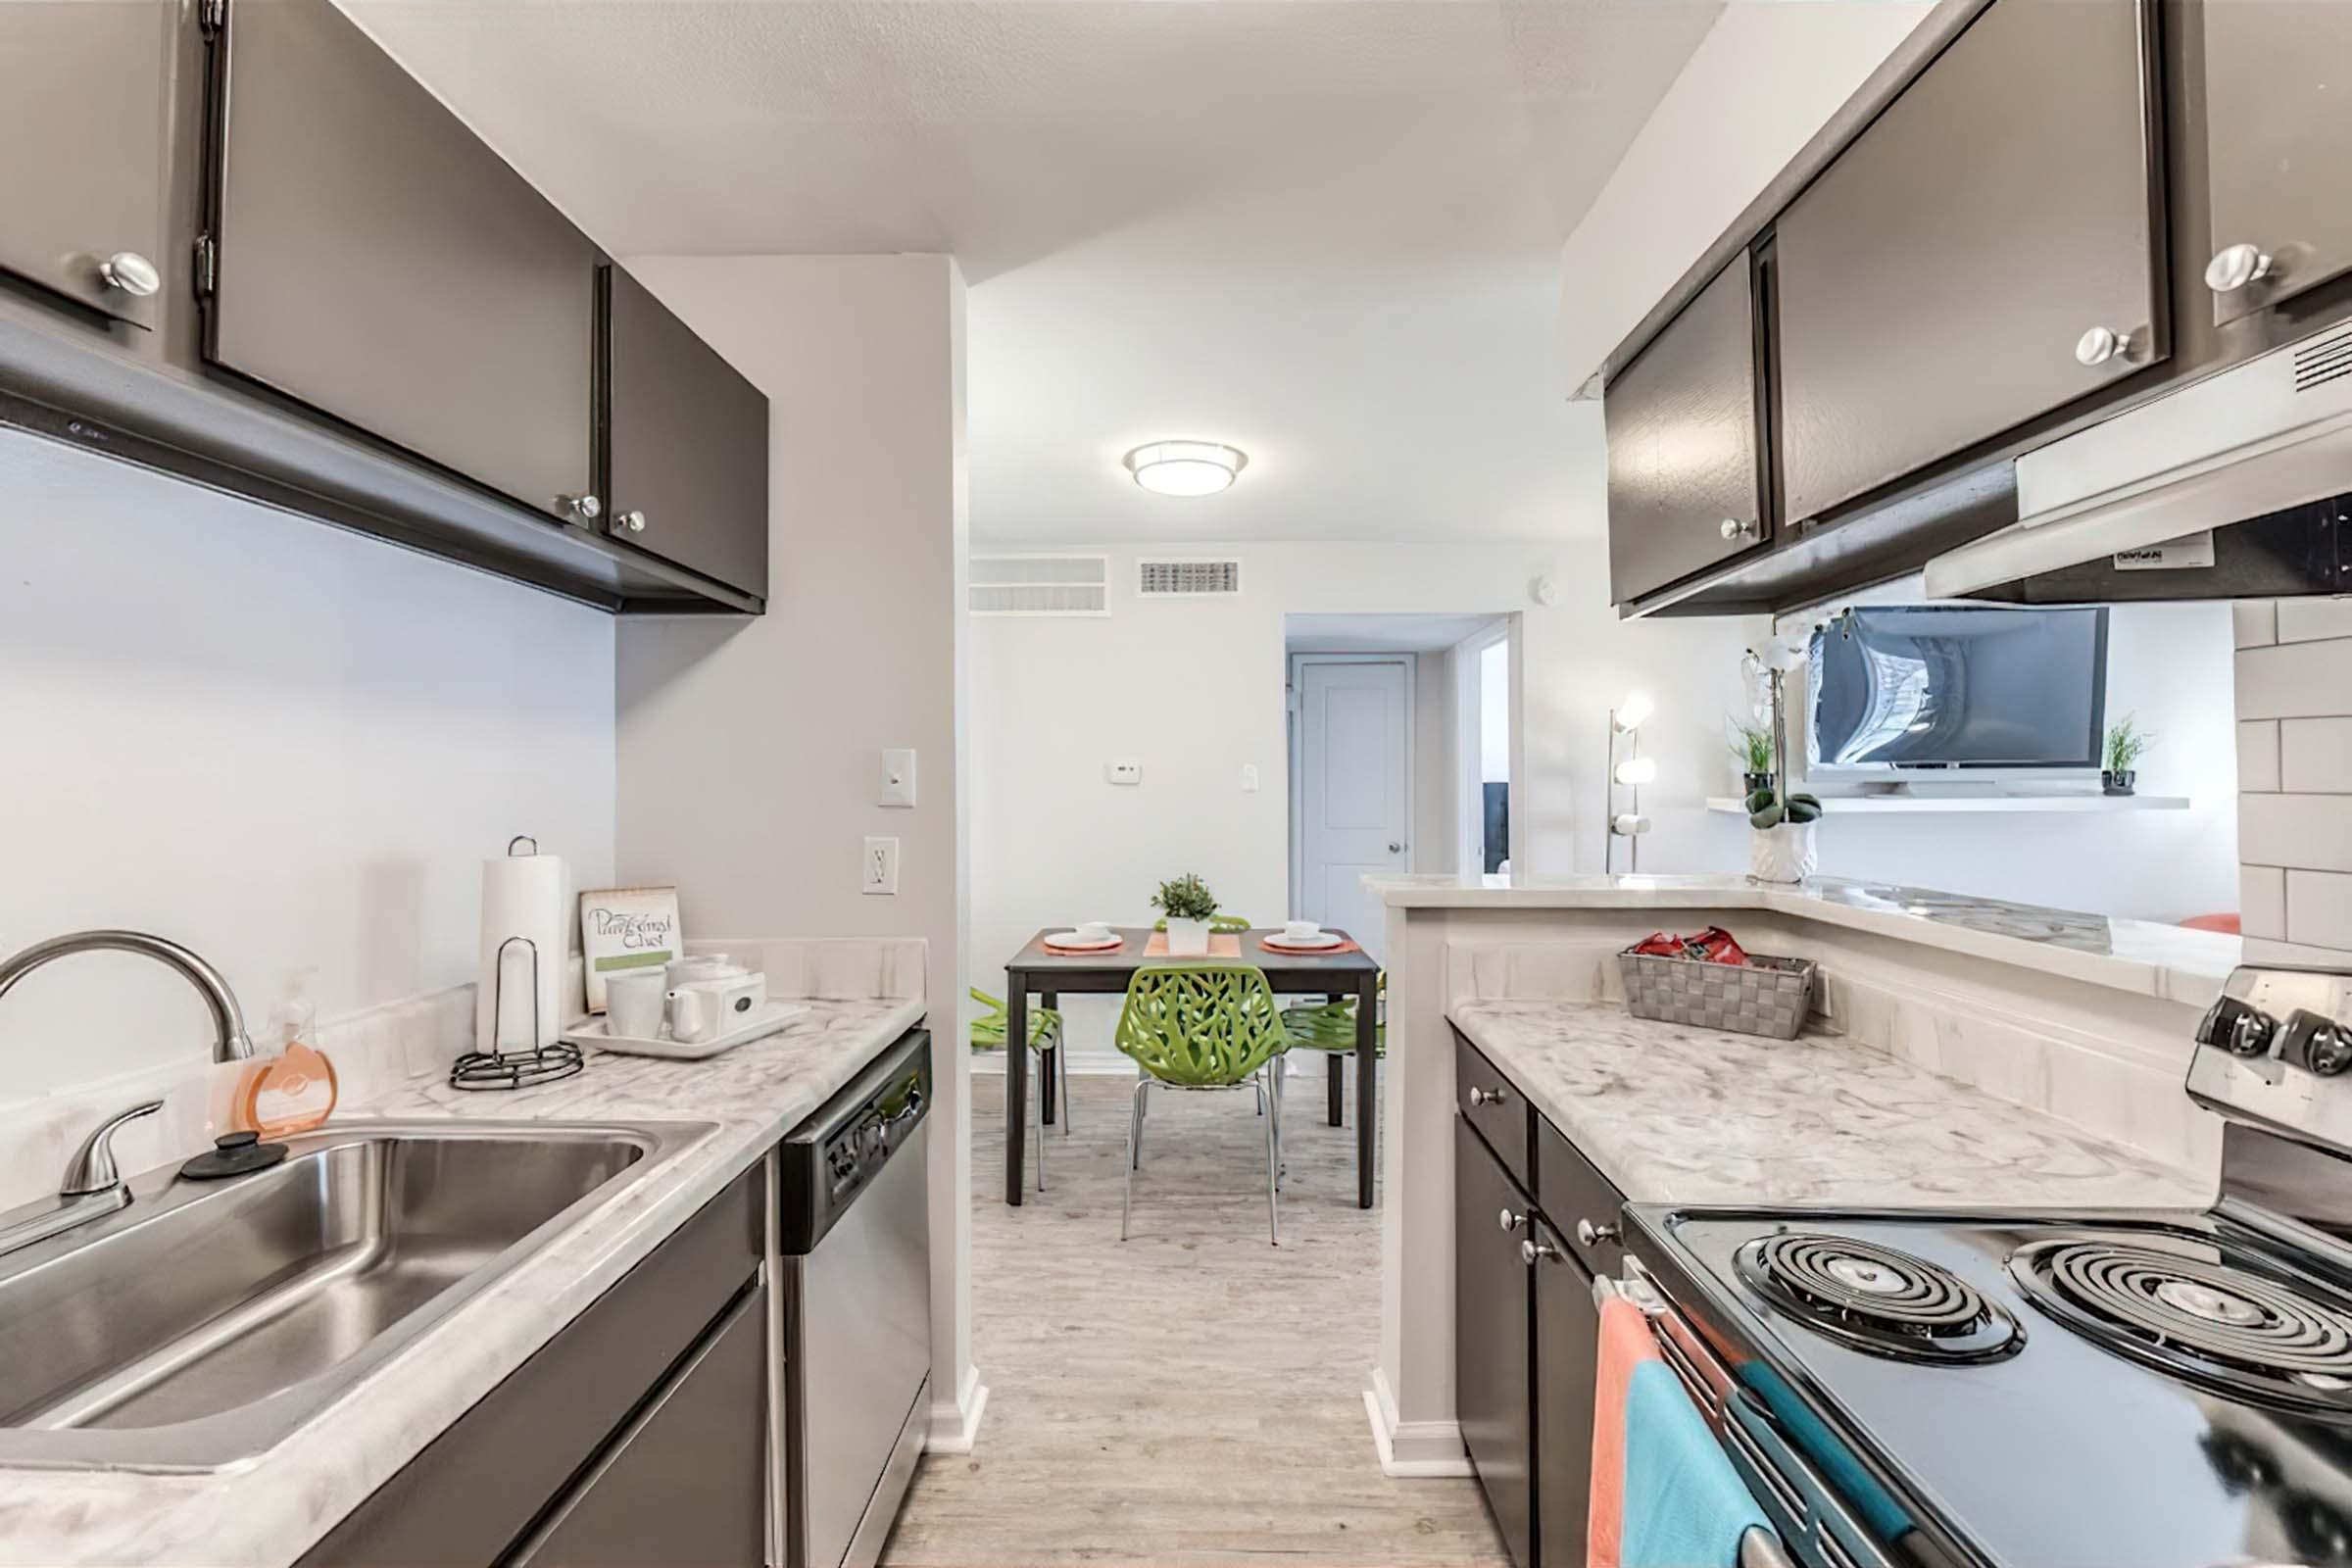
[1249, 779]
[879, 872]
[898, 777]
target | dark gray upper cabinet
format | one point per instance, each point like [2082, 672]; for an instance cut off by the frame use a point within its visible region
[2279, 144]
[1937, 283]
[1684, 490]
[85, 91]
[377, 261]
[685, 442]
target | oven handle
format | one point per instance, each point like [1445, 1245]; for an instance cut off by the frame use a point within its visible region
[1792, 1491]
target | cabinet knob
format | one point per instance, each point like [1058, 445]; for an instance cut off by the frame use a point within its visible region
[1486, 1097]
[134, 274]
[2103, 343]
[1510, 1221]
[586, 507]
[2233, 267]
[1733, 528]
[634, 522]
[1530, 1251]
[1588, 1234]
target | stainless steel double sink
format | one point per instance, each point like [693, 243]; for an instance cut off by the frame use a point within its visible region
[205, 1321]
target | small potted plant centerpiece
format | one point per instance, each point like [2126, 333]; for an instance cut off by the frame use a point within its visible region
[1751, 745]
[1779, 839]
[2126, 744]
[1188, 903]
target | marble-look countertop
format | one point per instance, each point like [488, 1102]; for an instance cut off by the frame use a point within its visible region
[269, 1510]
[2164, 961]
[1675, 1115]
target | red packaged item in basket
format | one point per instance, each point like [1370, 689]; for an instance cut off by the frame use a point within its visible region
[1714, 945]
[1658, 944]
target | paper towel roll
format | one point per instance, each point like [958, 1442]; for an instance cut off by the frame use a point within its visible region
[522, 896]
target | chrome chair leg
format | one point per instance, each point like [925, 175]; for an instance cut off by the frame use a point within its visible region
[1040, 1123]
[1062, 1070]
[1273, 1168]
[1135, 1148]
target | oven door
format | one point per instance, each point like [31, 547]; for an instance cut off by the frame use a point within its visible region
[1792, 1471]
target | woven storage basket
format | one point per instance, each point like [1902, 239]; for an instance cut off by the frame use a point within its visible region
[1762, 996]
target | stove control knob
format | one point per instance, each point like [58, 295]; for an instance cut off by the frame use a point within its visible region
[2250, 1033]
[2329, 1051]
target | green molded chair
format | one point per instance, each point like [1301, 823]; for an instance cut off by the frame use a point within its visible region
[1044, 1034]
[1223, 925]
[1202, 1026]
[1329, 1027]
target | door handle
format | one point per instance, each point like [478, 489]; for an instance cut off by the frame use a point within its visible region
[1395, 849]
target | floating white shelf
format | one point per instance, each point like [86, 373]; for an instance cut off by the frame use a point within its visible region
[1839, 805]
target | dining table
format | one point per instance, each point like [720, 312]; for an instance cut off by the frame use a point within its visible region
[1041, 972]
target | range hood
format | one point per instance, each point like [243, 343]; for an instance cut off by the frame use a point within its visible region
[2236, 485]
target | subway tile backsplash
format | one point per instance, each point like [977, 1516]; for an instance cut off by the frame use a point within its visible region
[2295, 767]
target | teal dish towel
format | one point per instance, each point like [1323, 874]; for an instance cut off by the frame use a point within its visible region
[1685, 1505]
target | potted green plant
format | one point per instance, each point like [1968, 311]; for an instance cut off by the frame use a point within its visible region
[1752, 746]
[1779, 839]
[1188, 903]
[2126, 744]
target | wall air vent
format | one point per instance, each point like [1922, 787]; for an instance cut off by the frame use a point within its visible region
[1187, 579]
[2324, 359]
[1039, 585]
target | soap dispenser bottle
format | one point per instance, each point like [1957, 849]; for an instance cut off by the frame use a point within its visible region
[293, 1090]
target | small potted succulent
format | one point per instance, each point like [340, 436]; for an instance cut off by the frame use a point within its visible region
[1188, 903]
[1752, 746]
[2126, 744]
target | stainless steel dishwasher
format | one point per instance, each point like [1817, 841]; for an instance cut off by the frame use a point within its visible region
[854, 1266]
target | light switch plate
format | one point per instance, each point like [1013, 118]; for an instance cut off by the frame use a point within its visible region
[898, 777]
[879, 871]
[1124, 770]
[1249, 779]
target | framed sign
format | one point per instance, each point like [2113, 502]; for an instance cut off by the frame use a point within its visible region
[624, 929]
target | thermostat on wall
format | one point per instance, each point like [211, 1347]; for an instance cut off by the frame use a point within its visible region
[1125, 770]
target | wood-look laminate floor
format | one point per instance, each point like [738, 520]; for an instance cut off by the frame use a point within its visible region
[1193, 1396]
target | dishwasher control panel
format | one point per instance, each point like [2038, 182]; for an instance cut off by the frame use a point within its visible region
[827, 1161]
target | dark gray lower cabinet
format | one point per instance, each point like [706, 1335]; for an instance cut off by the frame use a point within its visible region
[634, 1437]
[684, 1484]
[1567, 1370]
[83, 90]
[1494, 1378]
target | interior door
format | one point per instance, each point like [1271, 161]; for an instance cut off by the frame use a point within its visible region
[379, 263]
[84, 89]
[1492, 1364]
[2278, 121]
[1356, 788]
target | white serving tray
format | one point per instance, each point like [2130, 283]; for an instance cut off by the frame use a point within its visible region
[764, 1019]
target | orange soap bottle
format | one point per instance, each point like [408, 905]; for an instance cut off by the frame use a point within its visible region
[293, 1090]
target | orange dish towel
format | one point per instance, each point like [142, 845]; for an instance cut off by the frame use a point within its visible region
[1220, 946]
[1625, 1343]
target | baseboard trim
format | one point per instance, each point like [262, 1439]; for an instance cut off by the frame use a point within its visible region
[956, 1423]
[1411, 1449]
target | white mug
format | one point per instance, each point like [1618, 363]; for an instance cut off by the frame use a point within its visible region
[701, 1010]
[633, 1004]
[1300, 930]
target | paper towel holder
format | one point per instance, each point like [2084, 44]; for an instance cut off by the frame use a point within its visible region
[519, 1069]
[521, 837]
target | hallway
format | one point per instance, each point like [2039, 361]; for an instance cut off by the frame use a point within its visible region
[1193, 1396]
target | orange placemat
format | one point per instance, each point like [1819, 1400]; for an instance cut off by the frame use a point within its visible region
[1112, 952]
[1266, 944]
[1220, 946]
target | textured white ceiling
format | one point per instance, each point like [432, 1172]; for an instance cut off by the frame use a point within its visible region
[1324, 230]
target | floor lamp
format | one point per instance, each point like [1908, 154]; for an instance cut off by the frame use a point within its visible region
[1631, 772]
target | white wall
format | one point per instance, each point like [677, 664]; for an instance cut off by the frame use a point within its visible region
[750, 752]
[1194, 689]
[1435, 771]
[282, 744]
[2169, 665]
[1765, 78]
[2294, 748]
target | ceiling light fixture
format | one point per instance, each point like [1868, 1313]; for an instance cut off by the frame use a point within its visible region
[1186, 467]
